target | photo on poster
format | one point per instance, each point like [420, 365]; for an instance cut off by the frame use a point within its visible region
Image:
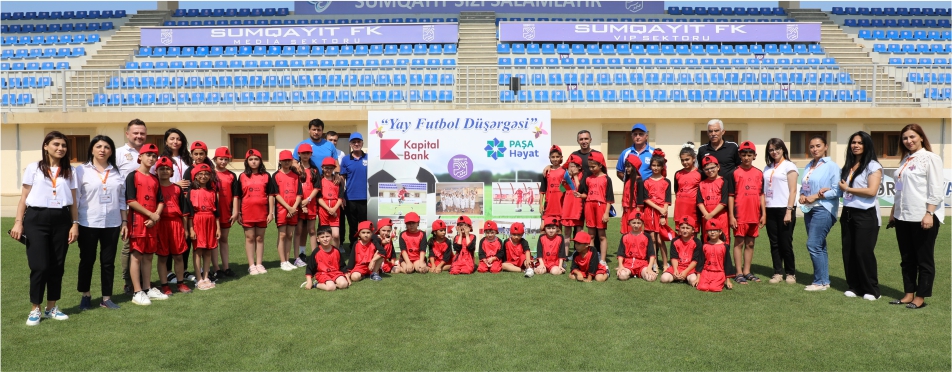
[398, 199]
[458, 198]
[513, 199]
[533, 229]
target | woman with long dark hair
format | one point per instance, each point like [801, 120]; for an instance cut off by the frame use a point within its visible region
[176, 148]
[47, 222]
[102, 218]
[819, 200]
[780, 192]
[859, 183]
[917, 212]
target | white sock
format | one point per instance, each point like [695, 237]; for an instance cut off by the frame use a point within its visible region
[301, 249]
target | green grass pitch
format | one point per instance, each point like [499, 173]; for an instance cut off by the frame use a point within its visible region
[486, 322]
[394, 209]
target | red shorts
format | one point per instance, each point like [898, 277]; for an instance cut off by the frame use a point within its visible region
[329, 277]
[710, 281]
[248, 225]
[749, 230]
[494, 268]
[651, 218]
[145, 245]
[327, 219]
[363, 269]
[571, 223]
[386, 267]
[225, 221]
[549, 264]
[519, 264]
[204, 226]
[593, 214]
[283, 219]
[311, 214]
[602, 270]
[170, 239]
[462, 264]
[671, 269]
[635, 266]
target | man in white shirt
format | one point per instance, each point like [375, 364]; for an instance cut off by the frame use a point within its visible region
[127, 160]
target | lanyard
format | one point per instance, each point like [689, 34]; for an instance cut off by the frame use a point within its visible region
[103, 179]
[770, 178]
[53, 180]
[810, 170]
[899, 176]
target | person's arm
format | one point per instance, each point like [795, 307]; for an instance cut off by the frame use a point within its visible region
[131, 201]
[539, 251]
[700, 203]
[403, 250]
[792, 197]
[674, 258]
[620, 255]
[834, 181]
[730, 211]
[609, 190]
[527, 252]
[651, 254]
[311, 269]
[297, 199]
[667, 198]
[934, 192]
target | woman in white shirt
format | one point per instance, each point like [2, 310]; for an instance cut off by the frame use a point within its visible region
[46, 220]
[859, 183]
[102, 218]
[917, 212]
[780, 191]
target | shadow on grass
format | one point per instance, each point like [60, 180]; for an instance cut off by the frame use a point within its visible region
[836, 282]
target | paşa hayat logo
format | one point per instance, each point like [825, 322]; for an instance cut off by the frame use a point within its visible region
[495, 149]
[320, 6]
[166, 36]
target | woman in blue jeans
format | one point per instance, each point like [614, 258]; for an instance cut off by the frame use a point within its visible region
[819, 200]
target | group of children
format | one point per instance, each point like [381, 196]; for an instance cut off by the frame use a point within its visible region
[458, 200]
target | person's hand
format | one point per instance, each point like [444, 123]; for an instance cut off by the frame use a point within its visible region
[803, 199]
[605, 217]
[308, 285]
[217, 234]
[149, 223]
[234, 218]
[926, 222]
[304, 209]
[74, 233]
[154, 217]
[729, 284]
[17, 230]
[270, 217]
[733, 222]
[577, 195]
[787, 217]
[763, 221]
[844, 186]
[124, 232]
[338, 179]
[184, 184]
[892, 219]
[238, 218]
[191, 234]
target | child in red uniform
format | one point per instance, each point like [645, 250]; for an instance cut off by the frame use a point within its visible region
[171, 228]
[491, 254]
[685, 187]
[549, 250]
[586, 262]
[412, 242]
[518, 255]
[402, 195]
[389, 263]
[598, 198]
[440, 251]
[228, 191]
[712, 193]
[324, 265]
[572, 200]
[256, 208]
[636, 252]
[464, 245]
[657, 199]
[329, 200]
[145, 209]
[713, 275]
[550, 191]
[203, 222]
[530, 198]
[747, 208]
[307, 218]
[631, 195]
[517, 194]
[198, 152]
[288, 199]
[683, 251]
[365, 254]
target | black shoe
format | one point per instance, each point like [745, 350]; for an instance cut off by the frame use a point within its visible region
[219, 274]
[212, 277]
[229, 273]
[302, 256]
[913, 306]
[85, 303]
[898, 301]
[127, 289]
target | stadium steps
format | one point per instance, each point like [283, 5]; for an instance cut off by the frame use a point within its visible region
[149, 18]
[809, 15]
[477, 73]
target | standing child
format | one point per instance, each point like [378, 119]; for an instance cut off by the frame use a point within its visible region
[636, 252]
[491, 254]
[585, 262]
[657, 199]
[464, 245]
[171, 228]
[530, 198]
[517, 195]
[199, 155]
[307, 217]
[228, 191]
[203, 222]
[518, 255]
[324, 265]
[550, 191]
[412, 242]
[686, 183]
[329, 200]
[256, 208]
[714, 260]
[632, 197]
[598, 198]
[366, 254]
[683, 251]
[572, 201]
[145, 203]
[712, 193]
[288, 199]
[549, 250]
[389, 263]
[747, 208]
[441, 254]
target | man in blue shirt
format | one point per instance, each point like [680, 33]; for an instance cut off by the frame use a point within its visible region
[320, 147]
[354, 170]
[639, 147]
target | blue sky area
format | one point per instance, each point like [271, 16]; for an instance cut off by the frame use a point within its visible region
[132, 6]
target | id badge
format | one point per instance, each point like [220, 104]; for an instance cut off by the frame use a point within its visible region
[898, 186]
[847, 196]
[53, 203]
[105, 198]
[768, 193]
[805, 188]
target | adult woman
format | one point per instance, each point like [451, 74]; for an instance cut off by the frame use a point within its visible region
[859, 184]
[780, 190]
[176, 148]
[102, 218]
[819, 200]
[917, 212]
[46, 219]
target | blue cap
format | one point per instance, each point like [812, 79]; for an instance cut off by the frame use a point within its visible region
[356, 136]
[639, 126]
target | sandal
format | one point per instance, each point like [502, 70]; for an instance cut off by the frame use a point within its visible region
[752, 278]
[740, 279]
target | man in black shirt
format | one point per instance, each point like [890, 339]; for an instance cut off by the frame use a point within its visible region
[726, 152]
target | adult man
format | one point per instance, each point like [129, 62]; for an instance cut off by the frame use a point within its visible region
[127, 161]
[332, 137]
[320, 147]
[584, 139]
[641, 149]
[725, 152]
[354, 169]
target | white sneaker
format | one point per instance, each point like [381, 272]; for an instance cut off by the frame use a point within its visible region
[869, 297]
[55, 313]
[156, 294]
[850, 294]
[34, 317]
[299, 263]
[816, 287]
[287, 266]
[141, 298]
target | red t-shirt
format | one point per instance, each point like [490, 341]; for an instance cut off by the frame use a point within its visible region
[174, 200]
[550, 249]
[657, 190]
[530, 196]
[516, 252]
[255, 190]
[386, 250]
[711, 193]
[310, 183]
[142, 188]
[553, 194]
[684, 252]
[587, 263]
[289, 188]
[632, 195]
[635, 249]
[685, 186]
[714, 257]
[201, 200]
[412, 243]
[748, 188]
[440, 250]
[572, 206]
[599, 189]
[361, 253]
[402, 194]
[491, 248]
[322, 262]
[228, 188]
[330, 192]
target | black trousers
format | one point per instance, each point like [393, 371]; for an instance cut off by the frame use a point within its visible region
[47, 230]
[108, 240]
[860, 230]
[781, 240]
[354, 212]
[917, 254]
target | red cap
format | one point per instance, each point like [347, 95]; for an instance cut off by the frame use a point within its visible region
[365, 225]
[685, 221]
[555, 148]
[708, 159]
[572, 159]
[714, 225]
[163, 162]
[199, 168]
[634, 215]
[657, 152]
[490, 225]
[550, 221]
[328, 162]
[439, 225]
[285, 155]
[383, 222]
[253, 152]
[199, 145]
[223, 152]
[517, 228]
[597, 157]
[148, 148]
[464, 219]
[582, 237]
[748, 146]
[411, 217]
[305, 147]
[634, 160]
